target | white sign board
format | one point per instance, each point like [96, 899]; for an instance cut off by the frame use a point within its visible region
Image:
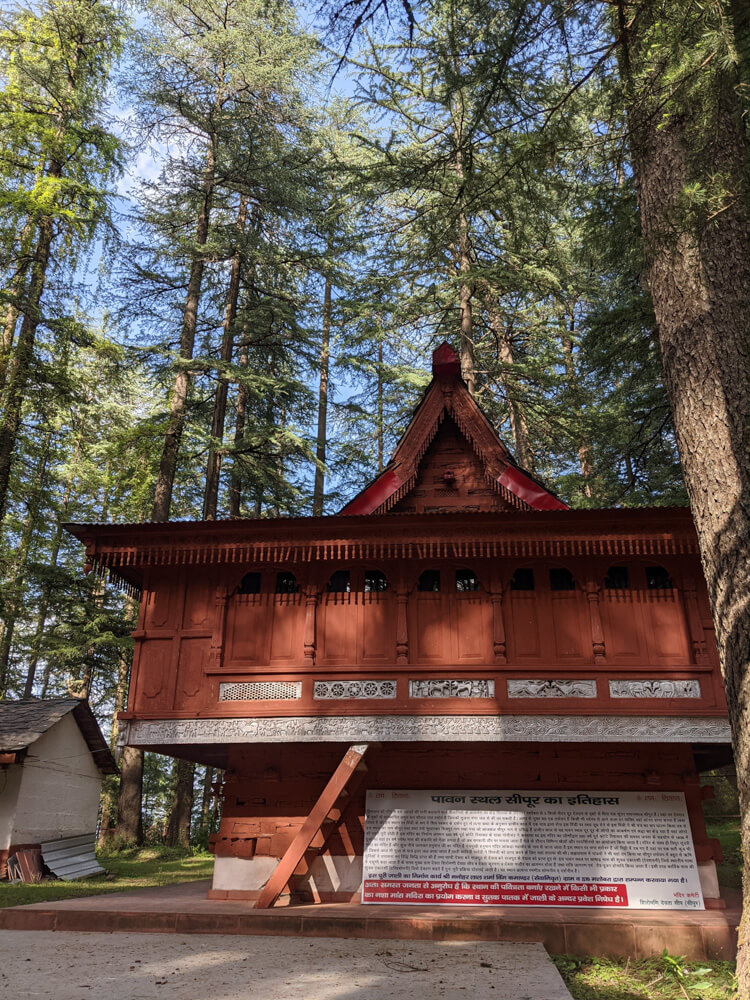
[628, 849]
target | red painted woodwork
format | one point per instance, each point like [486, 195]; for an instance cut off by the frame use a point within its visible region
[263, 816]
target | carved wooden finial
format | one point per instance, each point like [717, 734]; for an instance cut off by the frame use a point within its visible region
[445, 361]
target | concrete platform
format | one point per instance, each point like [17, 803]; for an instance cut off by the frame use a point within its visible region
[184, 909]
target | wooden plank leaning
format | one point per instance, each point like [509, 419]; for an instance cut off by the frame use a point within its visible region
[296, 850]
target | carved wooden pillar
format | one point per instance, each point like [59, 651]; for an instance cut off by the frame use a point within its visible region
[597, 632]
[695, 625]
[311, 616]
[216, 653]
[498, 625]
[402, 627]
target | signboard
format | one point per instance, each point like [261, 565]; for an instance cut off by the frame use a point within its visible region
[626, 849]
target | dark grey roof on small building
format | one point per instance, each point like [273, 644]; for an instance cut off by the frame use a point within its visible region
[23, 722]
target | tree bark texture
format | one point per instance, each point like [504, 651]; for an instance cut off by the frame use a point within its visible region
[19, 366]
[213, 470]
[181, 385]
[178, 825]
[699, 276]
[129, 820]
[321, 439]
[466, 352]
[585, 452]
[235, 482]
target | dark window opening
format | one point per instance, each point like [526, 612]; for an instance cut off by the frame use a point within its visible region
[429, 581]
[657, 578]
[561, 579]
[340, 582]
[375, 581]
[286, 583]
[617, 578]
[466, 580]
[250, 584]
[523, 579]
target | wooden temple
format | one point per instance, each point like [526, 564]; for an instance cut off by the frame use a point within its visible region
[454, 626]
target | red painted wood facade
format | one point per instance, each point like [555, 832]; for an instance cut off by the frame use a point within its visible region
[454, 585]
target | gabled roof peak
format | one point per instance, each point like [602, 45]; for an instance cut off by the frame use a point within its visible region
[498, 473]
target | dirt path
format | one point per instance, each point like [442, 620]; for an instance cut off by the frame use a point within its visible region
[73, 966]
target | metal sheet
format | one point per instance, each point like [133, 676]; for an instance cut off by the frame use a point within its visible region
[72, 857]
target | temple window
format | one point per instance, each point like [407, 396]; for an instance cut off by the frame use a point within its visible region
[466, 580]
[523, 579]
[250, 584]
[375, 581]
[340, 582]
[286, 583]
[617, 578]
[429, 580]
[561, 579]
[657, 578]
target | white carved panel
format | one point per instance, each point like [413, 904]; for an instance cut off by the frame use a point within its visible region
[407, 728]
[342, 690]
[655, 689]
[543, 688]
[260, 691]
[446, 688]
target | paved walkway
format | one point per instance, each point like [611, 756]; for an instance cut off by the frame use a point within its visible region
[184, 909]
[95, 966]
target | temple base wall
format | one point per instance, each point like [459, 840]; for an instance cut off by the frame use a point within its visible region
[270, 789]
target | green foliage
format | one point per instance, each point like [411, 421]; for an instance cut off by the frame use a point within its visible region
[664, 978]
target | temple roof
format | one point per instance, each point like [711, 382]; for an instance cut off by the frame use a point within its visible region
[451, 458]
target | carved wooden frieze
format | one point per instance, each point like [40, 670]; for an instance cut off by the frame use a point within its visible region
[555, 688]
[655, 689]
[344, 690]
[260, 691]
[447, 688]
[427, 728]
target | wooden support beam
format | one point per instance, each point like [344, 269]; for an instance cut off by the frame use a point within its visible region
[296, 850]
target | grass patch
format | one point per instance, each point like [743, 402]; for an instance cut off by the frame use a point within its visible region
[665, 978]
[727, 829]
[132, 868]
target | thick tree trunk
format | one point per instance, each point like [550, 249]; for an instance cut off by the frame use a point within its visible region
[20, 363]
[321, 440]
[206, 798]
[129, 820]
[181, 385]
[699, 275]
[213, 471]
[15, 292]
[108, 820]
[178, 825]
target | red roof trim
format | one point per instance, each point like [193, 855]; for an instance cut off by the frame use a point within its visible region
[375, 494]
[530, 492]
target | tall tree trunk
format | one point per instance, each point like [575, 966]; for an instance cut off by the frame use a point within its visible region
[235, 482]
[181, 385]
[129, 819]
[178, 825]
[503, 334]
[466, 351]
[585, 452]
[206, 797]
[321, 440]
[380, 406]
[213, 471]
[20, 363]
[13, 592]
[15, 292]
[108, 820]
[699, 276]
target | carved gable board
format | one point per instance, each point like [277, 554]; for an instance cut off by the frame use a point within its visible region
[451, 459]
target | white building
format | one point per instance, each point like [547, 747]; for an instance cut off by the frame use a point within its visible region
[53, 759]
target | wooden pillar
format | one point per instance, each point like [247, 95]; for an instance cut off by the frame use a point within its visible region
[498, 624]
[597, 632]
[695, 625]
[402, 626]
[216, 653]
[311, 613]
